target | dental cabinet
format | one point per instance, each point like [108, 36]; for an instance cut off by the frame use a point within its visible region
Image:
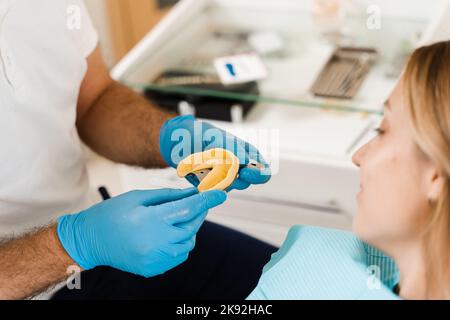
[309, 140]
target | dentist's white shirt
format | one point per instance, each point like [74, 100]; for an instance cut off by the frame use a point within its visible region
[42, 64]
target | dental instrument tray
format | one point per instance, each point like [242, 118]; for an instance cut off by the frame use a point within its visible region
[344, 72]
[202, 95]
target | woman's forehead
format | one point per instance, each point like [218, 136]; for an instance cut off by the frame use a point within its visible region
[395, 100]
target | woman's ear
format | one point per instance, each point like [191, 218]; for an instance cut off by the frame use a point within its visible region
[435, 184]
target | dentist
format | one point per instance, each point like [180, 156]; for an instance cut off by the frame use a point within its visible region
[55, 93]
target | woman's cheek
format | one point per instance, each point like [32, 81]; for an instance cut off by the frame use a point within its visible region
[377, 201]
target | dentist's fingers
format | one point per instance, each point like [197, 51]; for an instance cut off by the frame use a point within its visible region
[238, 184]
[168, 195]
[188, 208]
[193, 225]
[255, 176]
[253, 154]
[192, 178]
[182, 248]
[157, 196]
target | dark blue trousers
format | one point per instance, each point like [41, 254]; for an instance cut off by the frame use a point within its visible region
[225, 264]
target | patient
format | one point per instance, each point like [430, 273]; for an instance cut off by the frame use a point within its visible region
[404, 212]
[403, 205]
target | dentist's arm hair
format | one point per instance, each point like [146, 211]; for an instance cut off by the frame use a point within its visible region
[117, 122]
[32, 264]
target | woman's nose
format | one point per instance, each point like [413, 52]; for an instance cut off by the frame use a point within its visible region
[358, 156]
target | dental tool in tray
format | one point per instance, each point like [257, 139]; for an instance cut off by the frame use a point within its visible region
[344, 73]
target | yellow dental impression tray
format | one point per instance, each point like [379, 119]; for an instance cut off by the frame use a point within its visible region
[216, 169]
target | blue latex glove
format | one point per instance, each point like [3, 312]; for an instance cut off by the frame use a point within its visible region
[184, 135]
[142, 232]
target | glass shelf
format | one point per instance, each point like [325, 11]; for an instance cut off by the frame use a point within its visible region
[307, 45]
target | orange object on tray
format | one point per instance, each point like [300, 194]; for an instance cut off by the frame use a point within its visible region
[216, 169]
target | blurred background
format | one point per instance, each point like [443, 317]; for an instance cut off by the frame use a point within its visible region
[122, 23]
[315, 75]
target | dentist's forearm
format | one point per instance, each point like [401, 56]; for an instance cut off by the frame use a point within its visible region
[31, 264]
[124, 127]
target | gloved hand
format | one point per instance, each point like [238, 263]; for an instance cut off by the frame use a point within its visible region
[142, 232]
[184, 135]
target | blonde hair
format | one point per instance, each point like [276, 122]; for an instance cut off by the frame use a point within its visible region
[427, 84]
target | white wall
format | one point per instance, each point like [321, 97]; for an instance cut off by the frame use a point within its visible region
[440, 31]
